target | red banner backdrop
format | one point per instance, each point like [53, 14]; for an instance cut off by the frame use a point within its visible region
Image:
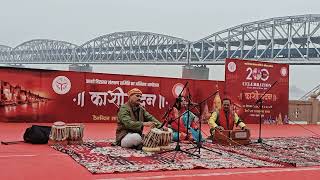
[32, 95]
[247, 81]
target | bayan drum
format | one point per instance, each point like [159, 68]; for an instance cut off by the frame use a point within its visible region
[74, 133]
[157, 139]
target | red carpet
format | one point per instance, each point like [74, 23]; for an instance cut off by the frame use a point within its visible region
[26, 161]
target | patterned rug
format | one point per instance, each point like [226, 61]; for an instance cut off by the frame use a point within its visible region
[294, 151]
[102, 157]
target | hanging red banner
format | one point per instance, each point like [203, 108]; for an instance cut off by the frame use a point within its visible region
[32, 95]
[250, 81]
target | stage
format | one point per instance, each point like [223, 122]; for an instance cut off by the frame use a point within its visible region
[27, 161]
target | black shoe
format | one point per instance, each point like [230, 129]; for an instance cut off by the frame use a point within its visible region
[139, 147]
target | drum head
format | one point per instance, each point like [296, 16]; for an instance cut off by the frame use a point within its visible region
[59, 123]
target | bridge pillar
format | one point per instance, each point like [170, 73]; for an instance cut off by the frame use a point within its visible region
[195, 72]
[315, 110]
[80, 67]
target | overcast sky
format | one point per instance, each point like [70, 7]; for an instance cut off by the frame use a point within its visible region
[78, 21]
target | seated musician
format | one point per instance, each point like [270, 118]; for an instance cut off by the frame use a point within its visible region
[175, 117]
[132, 117]
[225, 119]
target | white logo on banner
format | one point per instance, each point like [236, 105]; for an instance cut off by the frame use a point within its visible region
[257, 74]
[176, 90]
[61, 85]
[232, 66]
[283, 71]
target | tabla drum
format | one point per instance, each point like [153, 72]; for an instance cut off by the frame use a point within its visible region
[74, 133]
[58, 132]
[157, 139]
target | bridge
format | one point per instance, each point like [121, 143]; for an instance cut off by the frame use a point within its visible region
[290, 39]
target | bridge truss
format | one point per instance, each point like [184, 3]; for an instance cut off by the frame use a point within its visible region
[290, 39]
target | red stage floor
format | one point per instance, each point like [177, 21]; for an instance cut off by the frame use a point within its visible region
[26, 161]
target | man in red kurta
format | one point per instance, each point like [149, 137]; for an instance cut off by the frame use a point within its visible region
[225, 118]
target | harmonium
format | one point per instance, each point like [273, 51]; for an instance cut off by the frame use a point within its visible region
[232, 137]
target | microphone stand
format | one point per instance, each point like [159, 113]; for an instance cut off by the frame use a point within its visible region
[178, 147]
[260, 102]
[178, 99]
[199, 142]
[188, 111]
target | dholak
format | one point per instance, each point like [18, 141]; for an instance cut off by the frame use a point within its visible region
[74, 133]
[58, 132]
[232, 137]
[157, 140]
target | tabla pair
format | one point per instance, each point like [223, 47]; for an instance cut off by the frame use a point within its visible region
[157, 139]
[66, 133]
